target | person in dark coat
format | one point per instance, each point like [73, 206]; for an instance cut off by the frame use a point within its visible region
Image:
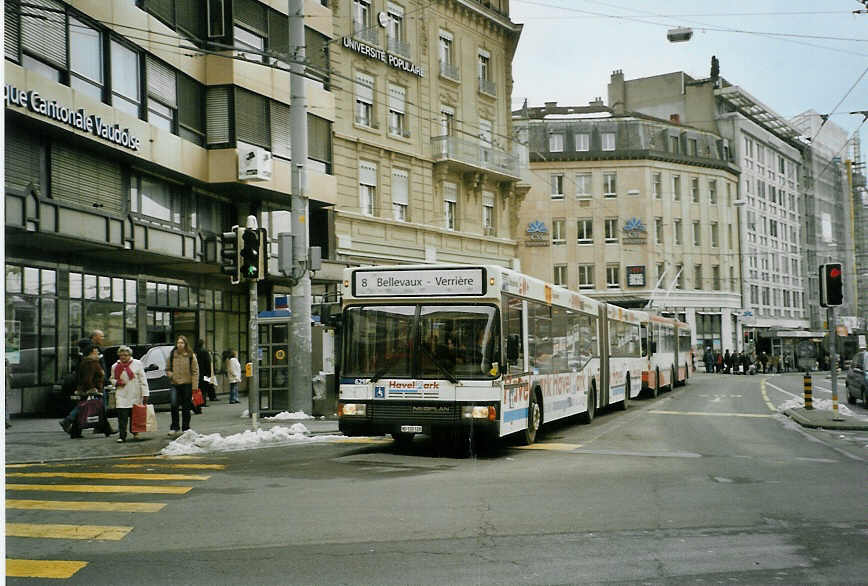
[708, 359]
[204, 359]
[727, 362]
[718, 361]
[91, 379]
[745, 363]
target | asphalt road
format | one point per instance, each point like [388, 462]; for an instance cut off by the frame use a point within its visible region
[706, 484]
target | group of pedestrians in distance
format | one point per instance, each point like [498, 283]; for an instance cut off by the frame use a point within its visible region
[187, 369]
[727, 363]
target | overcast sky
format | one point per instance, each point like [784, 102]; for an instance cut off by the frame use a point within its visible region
[569, 48]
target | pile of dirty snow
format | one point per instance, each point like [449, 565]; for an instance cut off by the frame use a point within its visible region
[819, 404]
[191, 442]
[287, 415]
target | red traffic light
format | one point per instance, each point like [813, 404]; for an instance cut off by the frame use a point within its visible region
[834, 272]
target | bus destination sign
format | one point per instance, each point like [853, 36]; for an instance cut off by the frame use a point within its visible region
[419, 282]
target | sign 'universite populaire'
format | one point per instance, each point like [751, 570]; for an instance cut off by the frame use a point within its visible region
[77, 119]
[384, 56]
[419, 282]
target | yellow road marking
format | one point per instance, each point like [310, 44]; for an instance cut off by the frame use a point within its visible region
[766, 396]
[42, 568]
[136, 489]
[28, 504]
[161, 465]
[362, 440]
[551, 446]
[713, 414]
[107, 475]
[185, 457]
[58, 531]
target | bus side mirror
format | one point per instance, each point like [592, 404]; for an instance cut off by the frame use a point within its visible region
[512, 349]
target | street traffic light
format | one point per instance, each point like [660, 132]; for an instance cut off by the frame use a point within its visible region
[253, 254]
[831, 284]
[231, 255]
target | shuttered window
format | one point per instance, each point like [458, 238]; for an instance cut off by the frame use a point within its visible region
[317, 52]
[12, 30]
[281, 139]
[217, 112]
[190, 17]
[22, 160]
[83, 179]
[43, 31]
[319, 139]
[364, 88]
[400, 192]
[162, 82]
[278, 34]
[191, 98]
[397, 98]
[251, 14]
[251, 118]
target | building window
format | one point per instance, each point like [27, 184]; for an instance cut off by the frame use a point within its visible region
[488, 212]
[368, 187]
[676, 187]
[712, 192]
[557, 181]
[362, 19]
[697, 234]
[85, 59]
[613, 280]
[658, 230]
[450, 202]
[585, 231]
[610, 226]
[715, 239]
[400, 194]
[364, 99]
[677, 230]
[191, 110]
[560, 275]
[698, 277]
[126, 88]
[157, 200]
[559, 235]
[447, 57]
[486, 135]
[765, 296]
[657, 185]
[395, 29]
[483, 73]
[691, 147]
[254, 43]
[754, 294]
[556, 142]
[679, 280]
[583, 142]
[162, 95]
[397, 108]
[674, 145]
[583, 185]
[732, 283]
[660, 270]
[586, 276]
[610, 186]
[694, 190]
[608, 139]
[715, 278]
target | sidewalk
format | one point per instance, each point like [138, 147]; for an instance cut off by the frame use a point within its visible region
[822, 418]
[41, 439]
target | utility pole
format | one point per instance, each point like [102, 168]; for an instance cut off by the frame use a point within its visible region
[300, 393]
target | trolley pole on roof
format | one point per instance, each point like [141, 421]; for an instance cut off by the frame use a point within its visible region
[300, 390]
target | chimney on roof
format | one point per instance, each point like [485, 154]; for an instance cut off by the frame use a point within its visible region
[617, 92]
[675, 118]
[551, 105]
[598, 101]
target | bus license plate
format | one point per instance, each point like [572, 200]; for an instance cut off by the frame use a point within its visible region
[411, 429]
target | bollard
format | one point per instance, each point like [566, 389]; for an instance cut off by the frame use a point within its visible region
[808, 391]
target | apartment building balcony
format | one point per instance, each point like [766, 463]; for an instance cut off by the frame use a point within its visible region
[488, 87]
[473, 156]
[367, 34]
[449, 71]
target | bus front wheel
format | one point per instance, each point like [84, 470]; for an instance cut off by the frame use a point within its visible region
[673, 380]
[622, 405]
[534, 419]
[588, 416]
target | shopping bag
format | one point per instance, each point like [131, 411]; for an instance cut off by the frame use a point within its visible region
[198, 399]
[151, 420]
[139, 419]
[90, 414]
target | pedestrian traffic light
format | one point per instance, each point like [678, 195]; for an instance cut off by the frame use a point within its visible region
[231, 255]
[253, 254]
[831, 284]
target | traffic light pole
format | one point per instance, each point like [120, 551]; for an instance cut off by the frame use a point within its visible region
[833, 355]
[300, 395]
[253, 354]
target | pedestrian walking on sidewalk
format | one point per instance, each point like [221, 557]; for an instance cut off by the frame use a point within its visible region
[233, 373]
[205, 373]
[708, 359]
[91, 379]
[128, 377]
[183, 372]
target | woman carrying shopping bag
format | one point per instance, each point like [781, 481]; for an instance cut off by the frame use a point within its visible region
[128, 377]
[183, 371]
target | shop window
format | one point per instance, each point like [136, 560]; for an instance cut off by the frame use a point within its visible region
[31, 325]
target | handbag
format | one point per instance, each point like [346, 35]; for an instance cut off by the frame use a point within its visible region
[151, 419]
[139, 419]
[198, 399]
[91, 414]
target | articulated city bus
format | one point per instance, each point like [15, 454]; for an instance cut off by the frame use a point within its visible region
[455, 348]
[670, 357]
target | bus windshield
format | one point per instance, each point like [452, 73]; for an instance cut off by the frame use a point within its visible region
[422, 341]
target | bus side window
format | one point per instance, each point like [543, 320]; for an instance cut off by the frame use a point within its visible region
[644, 335]
[513, 334]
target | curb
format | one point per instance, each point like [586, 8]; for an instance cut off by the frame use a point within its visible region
[828, 424]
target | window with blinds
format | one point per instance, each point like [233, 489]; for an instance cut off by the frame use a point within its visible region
[43, 32]
[23, 160]
[281, 138]
[162, 87]
[319, 140]
[367, 187]
[191, 109]
[251, 14]
[12, 23]
[251, 114]
[317, 54]
[364, 99]
[400, 193]
[278, 35]
[219, 123]
[397, 106]
[85, 179]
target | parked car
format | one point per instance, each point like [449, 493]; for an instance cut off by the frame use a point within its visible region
[155, 361]
[857, 378]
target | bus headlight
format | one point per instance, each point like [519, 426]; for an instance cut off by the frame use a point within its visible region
[352, 409]
[479, 412]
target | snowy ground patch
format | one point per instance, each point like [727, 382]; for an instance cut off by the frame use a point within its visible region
[191, 442]
[287, 415]
[819, 404]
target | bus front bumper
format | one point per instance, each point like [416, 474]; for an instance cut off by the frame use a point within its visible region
[386, 417]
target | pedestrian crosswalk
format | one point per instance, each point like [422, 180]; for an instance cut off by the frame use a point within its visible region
[98, 493]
